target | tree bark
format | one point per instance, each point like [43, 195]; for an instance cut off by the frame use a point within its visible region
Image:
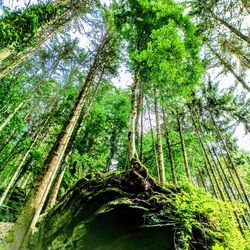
[170, 151]
[153, 142]
[142, 113]
[14, 59]
[20, 167]
[28, 219]
[184, 152]
[231, 28]
[229, 68]
[159, 141]
[28, 95]
[133, 113]
[230, 159]
[198, 133]
[55, 190]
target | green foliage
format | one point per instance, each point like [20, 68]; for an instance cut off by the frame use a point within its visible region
[18, 29]
[163, 42]
[195, 208]
[103, 135]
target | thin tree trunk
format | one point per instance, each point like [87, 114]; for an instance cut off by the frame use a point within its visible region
[159, 141]
[170, 151]
[54, 192]
[202, 180]
[13, 150]
[53, 104]
[138, 113]
[27, 220]
[184, 152]
[142, 113]
[232, 178]
[198, 133]
[229, 68]
[213, 173]
[28, 95]
[132, 153]
[4, 145]
[26, 180]
[153, 142]
[230, 159]
[211, 182]
[228, 194]
[14, 59]
[20, 167]
[220, 168]
[219, 173]
[231, 28]
[169, 145]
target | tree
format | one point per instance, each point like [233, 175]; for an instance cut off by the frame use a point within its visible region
[27, 221]
[19, 40]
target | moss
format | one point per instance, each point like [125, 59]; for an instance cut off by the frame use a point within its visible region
[103, 211]
[10, 237]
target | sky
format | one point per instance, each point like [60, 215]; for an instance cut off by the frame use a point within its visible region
[124, 77]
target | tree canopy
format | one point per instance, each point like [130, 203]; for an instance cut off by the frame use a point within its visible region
[65, 123]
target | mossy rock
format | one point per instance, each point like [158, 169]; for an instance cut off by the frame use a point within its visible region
[116, 211]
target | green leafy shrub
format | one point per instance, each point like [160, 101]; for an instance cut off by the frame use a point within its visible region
[195, 209]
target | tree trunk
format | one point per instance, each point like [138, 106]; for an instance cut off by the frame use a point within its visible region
[227, 184]
[232, 177]
[13, 150]
[229, 68]
[211, 182]
[13, 59]
[231, 28]
[230, 159]
[198, 133]
[200, 176]
[138, 114]
[159, 141]
[142, 113]
[55, 190]
[28, 95]
[20, 167]
[153, 142]
[228, 194]
[4, 145]
[170, 151]
[28, 219]
[25, 181]
[133, 113]
[219, 174]
[184, 152]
